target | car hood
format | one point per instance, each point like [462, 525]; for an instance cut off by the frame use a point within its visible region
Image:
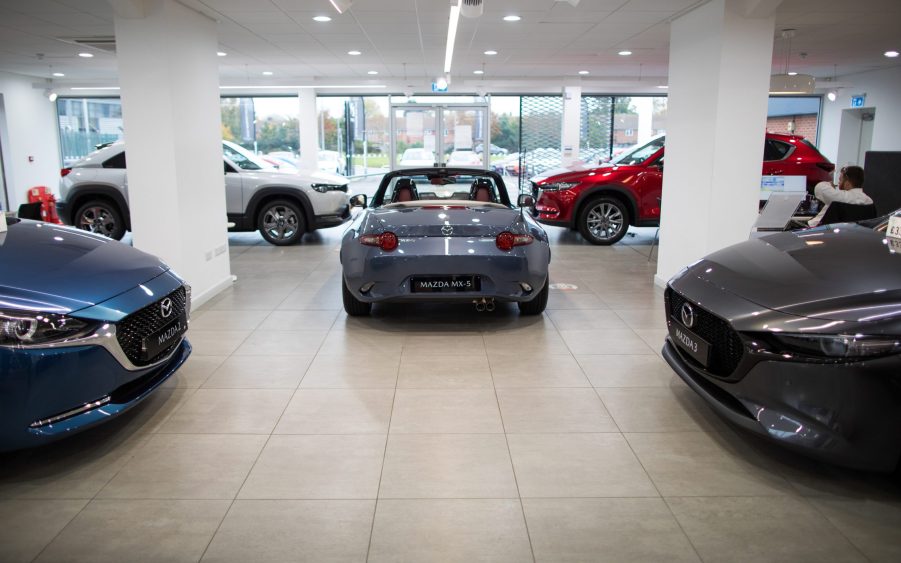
[579, 173]
[840, 272]
[297, 177]
[460, 219]
[58, 269]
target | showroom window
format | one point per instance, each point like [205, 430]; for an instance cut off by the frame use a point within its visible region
[267, 126]
[354, 131]
[795, 115]
[86, 123]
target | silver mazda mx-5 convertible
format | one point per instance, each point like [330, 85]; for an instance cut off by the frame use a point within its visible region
[444, 234]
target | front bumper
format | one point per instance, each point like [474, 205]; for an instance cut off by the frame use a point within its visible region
[501, 273]
[326, 221]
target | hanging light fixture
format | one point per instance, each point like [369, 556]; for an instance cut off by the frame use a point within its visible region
[791, 82]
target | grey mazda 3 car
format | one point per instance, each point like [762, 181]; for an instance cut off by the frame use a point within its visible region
[444, 234]
[797, 337]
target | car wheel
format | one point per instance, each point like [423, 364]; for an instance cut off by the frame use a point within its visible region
[353, 306]
[281, 222]
[604, 221]
[539, 303]
[102, 217]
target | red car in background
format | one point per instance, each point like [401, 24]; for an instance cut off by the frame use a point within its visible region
[602, 202]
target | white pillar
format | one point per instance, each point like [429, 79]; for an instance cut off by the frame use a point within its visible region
[169, 82]
[644, 105]
[569, 136]
[308, 121]
[720, 58]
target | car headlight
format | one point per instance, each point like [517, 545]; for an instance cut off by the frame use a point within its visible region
[557, 186]
[847, 346]
[27, 328]
[322, 188]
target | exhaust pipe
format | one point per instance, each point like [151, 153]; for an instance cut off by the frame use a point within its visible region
[484, 304]
[480, 305]
[489, 306]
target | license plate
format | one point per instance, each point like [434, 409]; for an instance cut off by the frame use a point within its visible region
[697, 347]
[163, 338]
[445, 284]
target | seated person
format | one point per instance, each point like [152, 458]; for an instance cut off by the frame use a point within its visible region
[482, 190]
[849, 190]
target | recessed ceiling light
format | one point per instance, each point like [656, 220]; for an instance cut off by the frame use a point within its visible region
[322, 19]
[478, 72]
[490, 52]
[373, 72]
[85, 55]
[792, 74]
[354, 53]
[583, 72]
[512, 18]
[625, 53]
[267, 73]
[58, 74]
[664, 86]
[221, 53]
[891, 54]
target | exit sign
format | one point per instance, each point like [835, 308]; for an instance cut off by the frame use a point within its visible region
[858, 101]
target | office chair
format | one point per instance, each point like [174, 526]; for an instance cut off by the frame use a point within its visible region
[839, 212]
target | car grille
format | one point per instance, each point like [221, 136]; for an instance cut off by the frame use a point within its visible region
[726, 346]
[131, 331]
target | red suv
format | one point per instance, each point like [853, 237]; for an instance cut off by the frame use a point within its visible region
[602, 202]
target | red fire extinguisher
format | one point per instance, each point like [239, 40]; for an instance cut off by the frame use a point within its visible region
[47, 200]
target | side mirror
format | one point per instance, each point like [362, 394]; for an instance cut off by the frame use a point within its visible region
[358, 200]
[525, 200]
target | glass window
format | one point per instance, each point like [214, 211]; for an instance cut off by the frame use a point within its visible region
[85, 123]
[242, 158]
[794, 115]
[640, 153]
[117, 161]
[775, 150]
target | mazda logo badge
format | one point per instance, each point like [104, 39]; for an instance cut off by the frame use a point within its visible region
[447, 230]
[688, 315]
[166, 308]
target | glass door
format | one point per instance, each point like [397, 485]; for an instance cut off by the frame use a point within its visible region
[440, 135]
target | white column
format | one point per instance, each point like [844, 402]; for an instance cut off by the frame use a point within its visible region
[169, 82]
[308, 121]
[644, 105]
[720, 58]
[569, 136]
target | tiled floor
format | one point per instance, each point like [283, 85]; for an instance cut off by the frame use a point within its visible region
[433, 433]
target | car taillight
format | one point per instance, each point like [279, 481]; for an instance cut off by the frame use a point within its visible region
[827, 166]
[387, 241]
[63, 172]
[507, 240]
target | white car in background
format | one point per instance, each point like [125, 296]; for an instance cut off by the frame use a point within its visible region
[417, 158]
[330, 161]
[464, 157]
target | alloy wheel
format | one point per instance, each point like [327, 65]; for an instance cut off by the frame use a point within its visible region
[604, 221]
[98, 220]
[280, 222]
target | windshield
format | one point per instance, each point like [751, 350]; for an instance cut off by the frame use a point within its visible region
[442, 188]
[242, 157]
[640, 153]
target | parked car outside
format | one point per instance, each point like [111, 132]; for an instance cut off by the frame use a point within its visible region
[444, 234]
[797, 337]
[88, 329]
[281, 204]
[330, 161]
[464, 157]
[417, 158]
[495, 150]
[601, 202]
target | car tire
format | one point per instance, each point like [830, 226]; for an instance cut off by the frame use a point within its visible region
[539, 303]
[604, 221]
[102, 217]
[353, 306]
[281, 222]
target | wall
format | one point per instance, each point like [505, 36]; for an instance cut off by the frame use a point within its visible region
[29, 130]
[805, 125]
[881, 88]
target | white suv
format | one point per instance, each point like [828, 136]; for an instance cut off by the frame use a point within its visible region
[282, 205]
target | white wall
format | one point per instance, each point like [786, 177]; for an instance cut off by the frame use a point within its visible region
[882, 88]
[572, 113]
[29, 129]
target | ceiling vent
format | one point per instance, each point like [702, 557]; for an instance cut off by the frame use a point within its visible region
[103, 43]
[471, 8]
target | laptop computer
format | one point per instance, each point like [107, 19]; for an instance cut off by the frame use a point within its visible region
[778, 211]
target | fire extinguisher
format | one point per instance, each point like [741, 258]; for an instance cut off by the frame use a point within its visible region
[43, 195]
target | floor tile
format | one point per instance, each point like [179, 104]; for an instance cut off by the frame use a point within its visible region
[444, 372]
[445, 411]
[447, 466]
[229, 411]
[871, 525]
[317, 467]
[449, 531]
[360, 344]
[337, 411]
[259, 372]
[560, 370]
[643, 318]
[27, 526]
[282, 343]
[293, 530]
[618, 370]
[186, 466]
[519, 344]
[602, 341]
[605, 529]
[216, 342]
[145, 530]
[299, 320]
[760, 529]
[194, 372]
[654, 409]
[586, 319]
[349, 372]
[228, 320]
[577, 465]
[553, 410]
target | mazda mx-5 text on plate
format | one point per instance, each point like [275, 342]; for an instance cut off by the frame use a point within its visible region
[797, 337]
[88, 328]
[444, 234]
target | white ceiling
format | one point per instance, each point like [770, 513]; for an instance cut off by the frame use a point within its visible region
[404, 40]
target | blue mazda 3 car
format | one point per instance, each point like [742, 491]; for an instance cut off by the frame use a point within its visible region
[89, 327]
